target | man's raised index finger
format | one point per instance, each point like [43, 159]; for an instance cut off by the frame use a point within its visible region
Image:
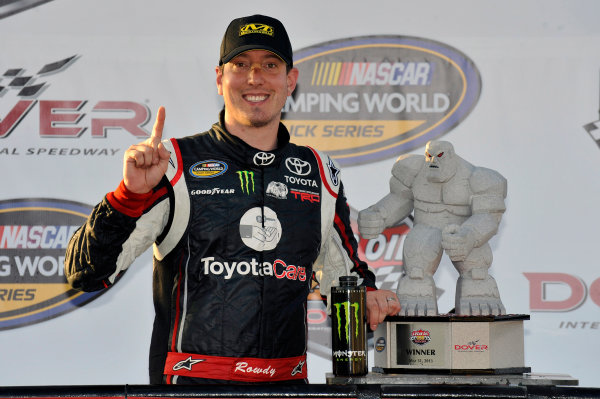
[159, 123]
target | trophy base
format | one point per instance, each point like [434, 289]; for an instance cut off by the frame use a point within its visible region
[526, 379]
[499, 371]
[451, 344]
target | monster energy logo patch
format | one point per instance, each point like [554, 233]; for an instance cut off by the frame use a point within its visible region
[246, 180]
[345, 307]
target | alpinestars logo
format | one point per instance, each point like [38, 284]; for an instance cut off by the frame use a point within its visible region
[334, 172]
[246, 180]
[298, 368]
[187, 364]
[346, 310]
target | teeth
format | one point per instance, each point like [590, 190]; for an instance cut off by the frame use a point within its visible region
[255, 98]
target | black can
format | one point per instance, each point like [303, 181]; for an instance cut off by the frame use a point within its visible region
[349, 328]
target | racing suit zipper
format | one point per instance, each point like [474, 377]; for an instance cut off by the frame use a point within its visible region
[262, 256]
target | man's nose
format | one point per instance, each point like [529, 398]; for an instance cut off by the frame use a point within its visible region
[255, 75]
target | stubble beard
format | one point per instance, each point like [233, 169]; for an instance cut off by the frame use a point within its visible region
[261, 119]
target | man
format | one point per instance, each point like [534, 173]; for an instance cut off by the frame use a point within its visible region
[234, 240]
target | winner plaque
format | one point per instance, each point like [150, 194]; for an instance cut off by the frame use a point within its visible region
[451, 344]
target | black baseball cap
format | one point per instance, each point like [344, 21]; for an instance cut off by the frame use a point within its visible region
[256, 32]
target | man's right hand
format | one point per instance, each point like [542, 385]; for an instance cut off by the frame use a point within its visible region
[145, 163]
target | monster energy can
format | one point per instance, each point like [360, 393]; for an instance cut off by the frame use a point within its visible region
[349, 331]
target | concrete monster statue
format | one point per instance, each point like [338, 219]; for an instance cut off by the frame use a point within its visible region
[457, 209]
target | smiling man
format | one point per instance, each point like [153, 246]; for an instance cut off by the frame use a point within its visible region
[234, 248]
[255, 85]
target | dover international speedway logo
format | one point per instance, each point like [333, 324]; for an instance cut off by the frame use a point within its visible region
[370, 98]
[23, 90]
[34, 234]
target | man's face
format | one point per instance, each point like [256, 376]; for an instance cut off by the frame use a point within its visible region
[255, 86]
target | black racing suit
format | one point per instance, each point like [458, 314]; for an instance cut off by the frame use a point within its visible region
[236, 233]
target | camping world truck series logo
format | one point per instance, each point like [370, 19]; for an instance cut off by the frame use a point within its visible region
[34, 234]
[370, 98]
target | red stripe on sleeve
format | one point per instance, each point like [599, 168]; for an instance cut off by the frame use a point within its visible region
[177, 309]
[346, 241]
[179, 172]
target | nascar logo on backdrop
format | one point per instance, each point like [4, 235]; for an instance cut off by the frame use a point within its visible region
[34, 234]
[369, 98]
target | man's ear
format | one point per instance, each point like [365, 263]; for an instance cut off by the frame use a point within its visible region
[292, 79]
[219, 72]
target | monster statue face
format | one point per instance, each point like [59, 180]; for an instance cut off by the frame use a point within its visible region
[440, 161]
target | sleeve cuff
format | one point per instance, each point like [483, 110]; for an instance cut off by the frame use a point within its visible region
[127, 202]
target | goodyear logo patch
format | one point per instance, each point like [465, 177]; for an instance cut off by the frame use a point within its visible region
[370, 98]
[34, 234]
[208, 169]
[256, 28]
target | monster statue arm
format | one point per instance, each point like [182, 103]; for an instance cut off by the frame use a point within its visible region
[487, 206]
[396, 205]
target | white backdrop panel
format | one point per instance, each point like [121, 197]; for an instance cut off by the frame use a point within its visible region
[540, 65]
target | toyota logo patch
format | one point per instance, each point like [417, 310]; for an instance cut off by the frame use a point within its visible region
[263, 158]
[297, 166]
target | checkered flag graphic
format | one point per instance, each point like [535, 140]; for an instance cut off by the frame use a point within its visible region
[28, 85]
[11, 7]
[387, 277]
[593, 129]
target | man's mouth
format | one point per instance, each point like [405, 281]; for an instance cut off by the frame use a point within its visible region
[254, 98]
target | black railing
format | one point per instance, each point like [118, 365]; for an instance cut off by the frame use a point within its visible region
[311, 391]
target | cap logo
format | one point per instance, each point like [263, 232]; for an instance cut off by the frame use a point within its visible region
[256, 28]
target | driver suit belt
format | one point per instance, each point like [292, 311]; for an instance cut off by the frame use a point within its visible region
[235, 368]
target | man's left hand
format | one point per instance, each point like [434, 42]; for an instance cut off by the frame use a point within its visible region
[381, 303]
